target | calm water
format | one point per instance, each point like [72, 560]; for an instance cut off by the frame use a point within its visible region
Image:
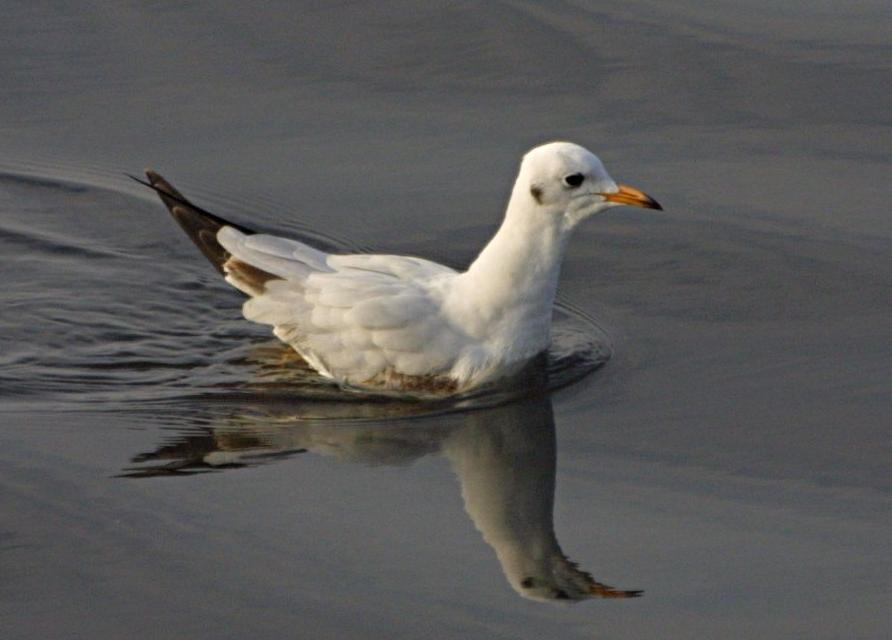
[729, 454]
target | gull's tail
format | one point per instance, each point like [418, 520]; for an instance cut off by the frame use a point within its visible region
[200, 225]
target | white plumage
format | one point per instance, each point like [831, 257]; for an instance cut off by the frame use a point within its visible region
[406, 324]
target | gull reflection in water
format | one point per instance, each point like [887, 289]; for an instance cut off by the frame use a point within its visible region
[504, 458]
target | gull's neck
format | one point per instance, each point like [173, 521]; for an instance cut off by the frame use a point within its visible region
[506, 463]
[513, 282]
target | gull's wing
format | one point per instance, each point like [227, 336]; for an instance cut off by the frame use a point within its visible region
[401, 267]
[280, 258]
[365, 320]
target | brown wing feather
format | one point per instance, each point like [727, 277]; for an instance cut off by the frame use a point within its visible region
[202, 226]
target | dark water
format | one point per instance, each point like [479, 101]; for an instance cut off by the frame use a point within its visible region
[158, 477]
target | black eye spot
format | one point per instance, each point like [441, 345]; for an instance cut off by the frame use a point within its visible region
[536, 192]
[574, 180]
[527, 583]
[560, 594]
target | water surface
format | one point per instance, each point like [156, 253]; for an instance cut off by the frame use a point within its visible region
[731, 459]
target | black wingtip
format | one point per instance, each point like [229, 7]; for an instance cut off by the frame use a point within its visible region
[139, 180]
[171, 197]
[201, 226]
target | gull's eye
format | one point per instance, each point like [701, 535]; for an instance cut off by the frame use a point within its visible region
[574, 180]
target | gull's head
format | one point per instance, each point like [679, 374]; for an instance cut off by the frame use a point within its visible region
[564, 179]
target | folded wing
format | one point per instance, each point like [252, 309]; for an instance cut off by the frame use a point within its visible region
[371, 321]
[365, 320]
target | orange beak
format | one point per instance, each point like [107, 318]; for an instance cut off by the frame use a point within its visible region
[632, 197]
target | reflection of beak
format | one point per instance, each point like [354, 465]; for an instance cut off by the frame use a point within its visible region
[599, 590]
[631, 196]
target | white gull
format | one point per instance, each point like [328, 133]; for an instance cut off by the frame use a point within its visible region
[405, 324]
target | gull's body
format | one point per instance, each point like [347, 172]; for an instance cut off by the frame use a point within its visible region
[405, 324]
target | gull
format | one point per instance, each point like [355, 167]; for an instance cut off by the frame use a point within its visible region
[406, 325]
